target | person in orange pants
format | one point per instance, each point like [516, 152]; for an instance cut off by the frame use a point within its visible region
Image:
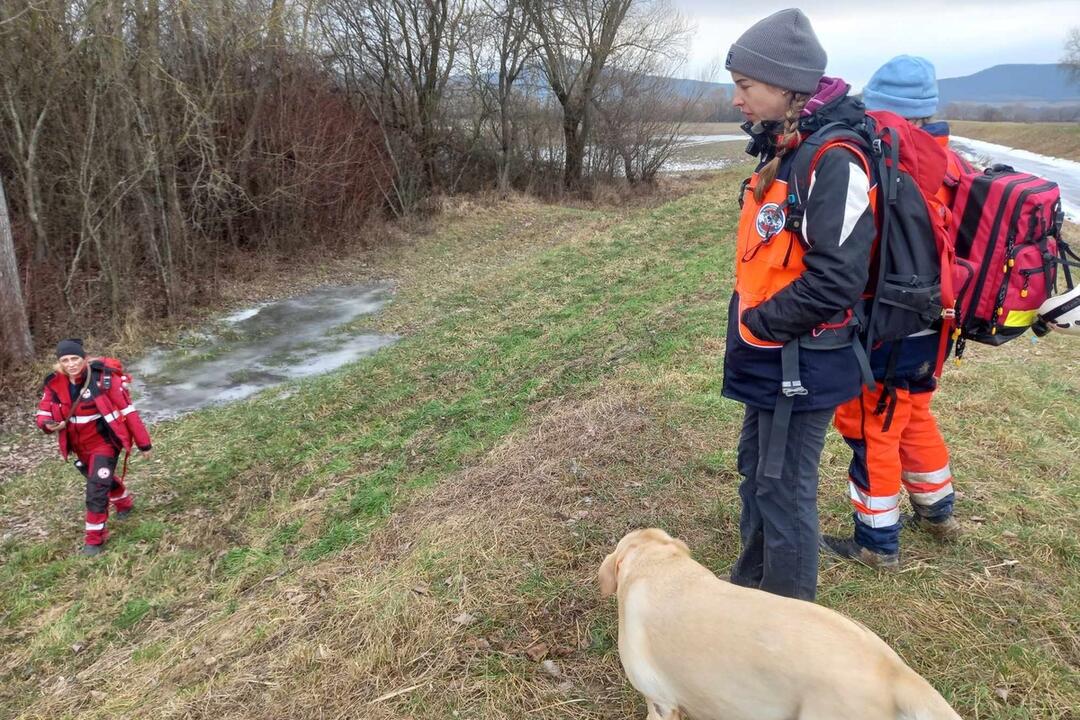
[892, 432]
[910, 452]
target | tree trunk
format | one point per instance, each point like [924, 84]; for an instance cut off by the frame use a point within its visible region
[575, 149]
[15, 343]
[504, 147]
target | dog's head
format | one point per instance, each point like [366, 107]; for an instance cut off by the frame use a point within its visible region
[634, 540]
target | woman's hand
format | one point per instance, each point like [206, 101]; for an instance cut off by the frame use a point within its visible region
[53, 427]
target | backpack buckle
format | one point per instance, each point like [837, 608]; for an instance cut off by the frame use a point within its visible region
[877, 146]
[791, 388]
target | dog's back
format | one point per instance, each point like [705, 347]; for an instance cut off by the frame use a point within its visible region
[689, 640]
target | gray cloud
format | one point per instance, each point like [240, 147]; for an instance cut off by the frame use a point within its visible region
[960, 37]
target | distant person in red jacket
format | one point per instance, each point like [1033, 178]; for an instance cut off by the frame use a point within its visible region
[85, 402]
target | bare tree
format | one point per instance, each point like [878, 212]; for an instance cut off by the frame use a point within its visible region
[146, 145]
[398, 56]
[15, 343]
[500, 50]
[1071, 58]
[577, 38]
[640, 123]
[580, 39]
[640, 105]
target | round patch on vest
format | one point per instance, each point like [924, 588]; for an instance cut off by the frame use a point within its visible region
[770, 220]
[86, 393]
[103, 473]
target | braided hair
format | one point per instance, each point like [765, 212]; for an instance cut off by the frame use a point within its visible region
[789, 140]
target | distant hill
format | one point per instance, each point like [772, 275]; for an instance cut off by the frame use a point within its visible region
[690, 88]
[1030, 84]
[1034, 84]
[1001, 84]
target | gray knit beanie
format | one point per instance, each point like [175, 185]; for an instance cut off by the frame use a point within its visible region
[781, 50]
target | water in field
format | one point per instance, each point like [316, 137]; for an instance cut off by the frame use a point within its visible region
[259, 347]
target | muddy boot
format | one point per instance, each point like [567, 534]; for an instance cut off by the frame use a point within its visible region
[848, 549]
[92, 550]
[946, 529]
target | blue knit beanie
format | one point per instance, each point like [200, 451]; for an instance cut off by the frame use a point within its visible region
[906, 85]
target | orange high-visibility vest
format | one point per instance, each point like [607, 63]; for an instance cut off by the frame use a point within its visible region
[768, 256]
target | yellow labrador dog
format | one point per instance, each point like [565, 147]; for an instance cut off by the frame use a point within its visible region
[701, 648]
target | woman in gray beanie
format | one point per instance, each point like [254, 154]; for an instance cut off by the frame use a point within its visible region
[801, 267]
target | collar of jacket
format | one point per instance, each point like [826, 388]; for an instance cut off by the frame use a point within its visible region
[841, 108]
[763, 136]
[937, 129]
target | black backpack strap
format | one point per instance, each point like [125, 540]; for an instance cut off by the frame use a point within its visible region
[802, 163]
[742, 191]
[887, 400]
[790, 388]
[1064, 253]
[1060, 310]
[864, 364]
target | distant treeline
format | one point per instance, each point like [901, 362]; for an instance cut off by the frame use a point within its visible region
[1014, 112]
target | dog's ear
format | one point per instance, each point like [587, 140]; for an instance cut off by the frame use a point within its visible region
[609, 575]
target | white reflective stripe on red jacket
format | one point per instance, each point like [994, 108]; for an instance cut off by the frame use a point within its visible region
[83, 419]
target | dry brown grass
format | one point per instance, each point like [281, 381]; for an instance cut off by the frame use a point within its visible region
[379, 631]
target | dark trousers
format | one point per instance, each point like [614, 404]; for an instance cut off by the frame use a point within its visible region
[779, 521]
[102, 488]
[99, 469]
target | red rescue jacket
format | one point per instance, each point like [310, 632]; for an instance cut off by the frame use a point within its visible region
[102, 415]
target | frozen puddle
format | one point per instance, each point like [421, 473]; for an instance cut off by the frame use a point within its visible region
[698, 153]
[682, 166]
[1066, 173]
[260, 347]
[691, 140]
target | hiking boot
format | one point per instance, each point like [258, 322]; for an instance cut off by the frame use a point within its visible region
[121, 514]
[92, 550]
[848, 549]
[945, 529]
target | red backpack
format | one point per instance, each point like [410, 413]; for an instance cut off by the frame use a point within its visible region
[116, 373]
[1006, 230]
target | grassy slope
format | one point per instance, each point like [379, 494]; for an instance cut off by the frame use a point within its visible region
[1054, 139]
[407, 537]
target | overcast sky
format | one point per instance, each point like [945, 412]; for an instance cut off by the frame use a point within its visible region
[959, 37]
